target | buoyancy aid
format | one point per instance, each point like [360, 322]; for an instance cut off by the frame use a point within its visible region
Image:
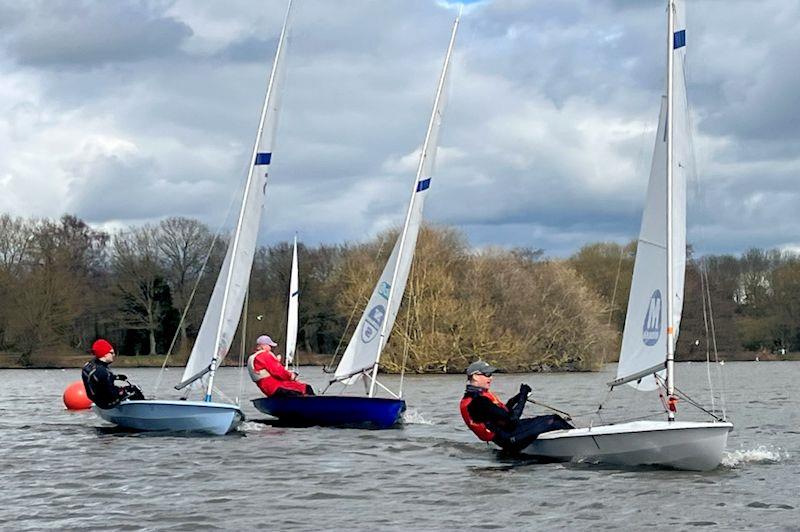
[480, 429]
[251, 369]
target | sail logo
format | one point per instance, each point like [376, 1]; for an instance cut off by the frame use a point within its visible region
[372, 323]
[383, 290]
[651, 330]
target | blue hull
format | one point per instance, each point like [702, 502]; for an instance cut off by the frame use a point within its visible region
[175, 416]
[334, 411]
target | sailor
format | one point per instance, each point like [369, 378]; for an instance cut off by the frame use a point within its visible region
[492, 420]
[268, 373]
[100, 382]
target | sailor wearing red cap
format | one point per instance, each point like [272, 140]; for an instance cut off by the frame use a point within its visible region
[492, 420]
[268, 373]
[99, 380]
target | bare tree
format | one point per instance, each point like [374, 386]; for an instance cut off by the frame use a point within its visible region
[183, 244]
[137, 274]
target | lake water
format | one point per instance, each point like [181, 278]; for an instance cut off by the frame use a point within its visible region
[67, 470]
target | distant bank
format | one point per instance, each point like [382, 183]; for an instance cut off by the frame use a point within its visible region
[71, 360]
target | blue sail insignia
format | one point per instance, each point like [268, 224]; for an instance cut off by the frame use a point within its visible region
[423, 184]
[679, 39]
[263, 158]
[651, 329]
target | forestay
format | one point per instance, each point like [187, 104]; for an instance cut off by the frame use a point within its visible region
[225, 307]
[375, 325]
[291, 317]
[644, 341]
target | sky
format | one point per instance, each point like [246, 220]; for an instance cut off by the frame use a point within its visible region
[128, 112]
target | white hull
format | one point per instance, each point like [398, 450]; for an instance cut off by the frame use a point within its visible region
[687, 445]
[181, 416]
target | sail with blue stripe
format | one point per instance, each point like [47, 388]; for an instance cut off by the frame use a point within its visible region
[364, 350]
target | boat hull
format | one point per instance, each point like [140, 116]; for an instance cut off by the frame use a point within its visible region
[334, 411]
[176, 416]
[686, 445]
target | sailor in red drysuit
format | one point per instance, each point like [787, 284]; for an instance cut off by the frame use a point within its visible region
[268, 373]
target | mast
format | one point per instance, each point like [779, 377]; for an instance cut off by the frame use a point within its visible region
[420, 167]
[670, 289]
[254, 160]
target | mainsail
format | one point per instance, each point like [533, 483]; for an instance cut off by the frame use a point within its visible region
[373, 329]
[291, 317]
[644, 341]
[225, 307]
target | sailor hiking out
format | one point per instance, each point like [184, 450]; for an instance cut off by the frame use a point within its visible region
[492, 420]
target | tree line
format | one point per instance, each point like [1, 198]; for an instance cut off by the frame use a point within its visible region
[64, 283]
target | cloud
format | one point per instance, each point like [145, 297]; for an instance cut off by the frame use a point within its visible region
[68, 34]
[132, 111]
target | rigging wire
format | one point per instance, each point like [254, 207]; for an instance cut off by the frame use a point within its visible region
[215, 238]
[689, 399]
[708, 339]
[407, 343]
[720, 373]
[186, 309]
[242, 343]
[330, 368]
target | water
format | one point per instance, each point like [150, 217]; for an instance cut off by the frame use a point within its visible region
[64, 470]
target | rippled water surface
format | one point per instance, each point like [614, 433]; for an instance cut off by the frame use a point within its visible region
[68, 470]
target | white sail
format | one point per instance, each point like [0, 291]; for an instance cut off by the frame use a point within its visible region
[375, 325]
[644, 341]
[291, 317]
[225, 307]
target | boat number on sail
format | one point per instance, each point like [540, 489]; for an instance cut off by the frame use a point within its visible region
[372, 323]
[651, 330]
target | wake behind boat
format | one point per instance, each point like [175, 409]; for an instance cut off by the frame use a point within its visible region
[654, 308]
[225, 306]
[362, 355]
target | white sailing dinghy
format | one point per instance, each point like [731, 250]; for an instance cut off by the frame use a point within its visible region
[225, 307]
[291, 316]
[362, 355]
[654, 307]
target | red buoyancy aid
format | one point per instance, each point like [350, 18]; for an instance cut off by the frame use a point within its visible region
[480, 429]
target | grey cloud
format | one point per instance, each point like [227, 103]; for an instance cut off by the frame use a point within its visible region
[86, 34]
[551, 116]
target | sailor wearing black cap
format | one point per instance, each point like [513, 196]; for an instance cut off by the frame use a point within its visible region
[492, 420]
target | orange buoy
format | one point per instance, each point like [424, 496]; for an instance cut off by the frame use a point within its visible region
[75, 397]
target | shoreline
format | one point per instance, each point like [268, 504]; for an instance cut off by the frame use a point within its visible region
[76, 361]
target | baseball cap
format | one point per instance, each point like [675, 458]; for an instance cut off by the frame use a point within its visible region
[265, 340]
[480, 367]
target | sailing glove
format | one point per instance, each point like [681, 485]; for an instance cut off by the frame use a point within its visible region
[524, 389]
[121, 377]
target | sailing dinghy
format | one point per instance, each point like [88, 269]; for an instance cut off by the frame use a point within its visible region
[225, 307]
[654, 307]
[362, 355]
